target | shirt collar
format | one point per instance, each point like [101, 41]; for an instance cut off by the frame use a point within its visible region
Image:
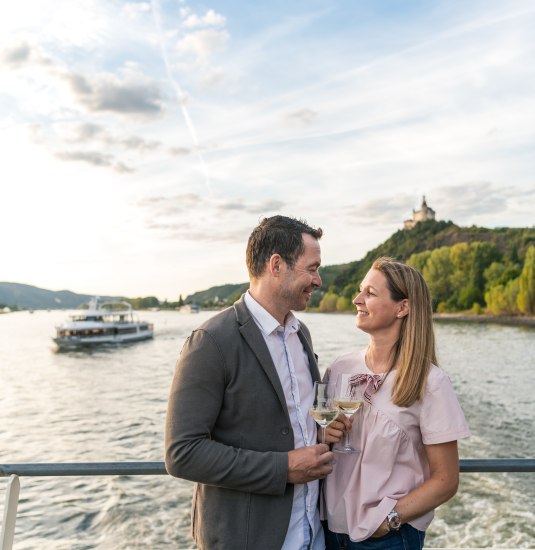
[265, 321]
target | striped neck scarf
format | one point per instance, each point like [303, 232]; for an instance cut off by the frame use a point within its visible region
[373, 383]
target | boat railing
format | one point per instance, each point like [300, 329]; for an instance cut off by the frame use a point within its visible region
[15, 471]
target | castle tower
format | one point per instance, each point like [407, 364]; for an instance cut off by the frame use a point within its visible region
[425, 213]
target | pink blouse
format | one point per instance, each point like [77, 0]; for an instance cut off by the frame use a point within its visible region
[363, 488]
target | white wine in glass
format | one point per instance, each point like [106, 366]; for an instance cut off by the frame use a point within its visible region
[348, 400]
[324, 410]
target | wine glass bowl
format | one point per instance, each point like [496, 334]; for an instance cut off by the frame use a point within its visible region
[323, 411]
[348, 400]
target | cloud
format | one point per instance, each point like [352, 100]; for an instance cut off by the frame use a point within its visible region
[266, 206]
[94, 158]
[212, 76]
[162, 206]
[81, 132]
[89, 132]
[133, 10]
[190, 232]
[302, 117]
[385, 210]
[209, 19]
[123, 168]
[250, 208]
[21, 53]
[179, 151]
[462, 203]
[108, 93]
[203, 44]
[135, 142]
[219, 214]
[16, 55]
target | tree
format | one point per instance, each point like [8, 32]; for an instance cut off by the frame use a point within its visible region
[343, 304]
[437, 272]
[502, 299]
[526, 284]
[418, 261]
[328, 302]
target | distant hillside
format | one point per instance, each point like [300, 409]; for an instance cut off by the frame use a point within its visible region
[30, 297]
[217, 294]
[505, 248]
[340, 280]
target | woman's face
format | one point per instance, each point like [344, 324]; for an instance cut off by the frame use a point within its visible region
[376, 310]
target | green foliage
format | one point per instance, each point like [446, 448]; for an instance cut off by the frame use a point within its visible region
[526, 284]
[467, 269]
[328, 302]
[437, 272]
[330, 273]
[462, 266]
[217, 295]
[501, 299]
[144, 303]
[344, 304]
[456, 274]
[499, 273]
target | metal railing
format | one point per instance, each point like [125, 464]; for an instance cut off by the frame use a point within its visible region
[14, 471]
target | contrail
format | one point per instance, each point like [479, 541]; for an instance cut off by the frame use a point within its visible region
[181, 97]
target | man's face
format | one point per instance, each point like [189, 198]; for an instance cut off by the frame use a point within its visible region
[298, 283]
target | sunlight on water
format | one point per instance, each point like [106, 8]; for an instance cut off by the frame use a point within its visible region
[109, 405]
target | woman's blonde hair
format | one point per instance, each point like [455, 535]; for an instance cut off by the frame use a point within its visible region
[415, 351]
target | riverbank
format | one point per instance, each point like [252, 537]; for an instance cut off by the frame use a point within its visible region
[499, 320]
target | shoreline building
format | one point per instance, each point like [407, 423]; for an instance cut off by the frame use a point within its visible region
[425, 213]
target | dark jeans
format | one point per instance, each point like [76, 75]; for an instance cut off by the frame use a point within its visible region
[407, 538]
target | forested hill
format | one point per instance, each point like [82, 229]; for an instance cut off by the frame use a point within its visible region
[461, 265]
[466, 268]
[476, 268]
[17, 295]
[425, 236]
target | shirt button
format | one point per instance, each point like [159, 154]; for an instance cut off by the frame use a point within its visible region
[285, 431]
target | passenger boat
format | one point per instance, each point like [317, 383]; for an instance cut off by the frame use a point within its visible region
[111, 322]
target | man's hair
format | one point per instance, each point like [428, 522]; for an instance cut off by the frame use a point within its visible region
[277, 235]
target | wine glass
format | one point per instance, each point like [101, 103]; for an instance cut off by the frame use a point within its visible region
[323, 410]
[348, 399]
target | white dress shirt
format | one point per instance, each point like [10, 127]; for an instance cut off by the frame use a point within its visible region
[291, 361]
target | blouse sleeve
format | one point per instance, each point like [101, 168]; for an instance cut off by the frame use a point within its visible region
[441, 416]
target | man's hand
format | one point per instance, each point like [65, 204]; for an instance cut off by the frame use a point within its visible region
[309, 463]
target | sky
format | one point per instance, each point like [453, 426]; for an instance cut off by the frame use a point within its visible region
[142, 141]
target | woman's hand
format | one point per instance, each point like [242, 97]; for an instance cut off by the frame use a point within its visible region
[382, 530]
[336, 429]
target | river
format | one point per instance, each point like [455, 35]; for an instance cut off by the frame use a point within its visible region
[109, 405]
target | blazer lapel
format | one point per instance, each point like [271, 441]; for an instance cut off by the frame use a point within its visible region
[252, 335]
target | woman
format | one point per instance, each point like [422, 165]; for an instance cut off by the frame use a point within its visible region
[384, 496]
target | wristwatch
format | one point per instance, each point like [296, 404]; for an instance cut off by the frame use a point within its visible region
[393, 521]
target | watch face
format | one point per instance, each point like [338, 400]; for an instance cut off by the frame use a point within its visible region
[394, 522]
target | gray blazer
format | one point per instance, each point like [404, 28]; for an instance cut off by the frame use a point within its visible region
[228, 429]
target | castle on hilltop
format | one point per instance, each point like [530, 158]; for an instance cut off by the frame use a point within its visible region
[425, 213]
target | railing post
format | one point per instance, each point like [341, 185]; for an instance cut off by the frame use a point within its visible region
[10, 513]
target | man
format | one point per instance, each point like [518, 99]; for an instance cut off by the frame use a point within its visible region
[237, 421]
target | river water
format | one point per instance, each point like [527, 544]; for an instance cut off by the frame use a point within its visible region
[109, 405]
